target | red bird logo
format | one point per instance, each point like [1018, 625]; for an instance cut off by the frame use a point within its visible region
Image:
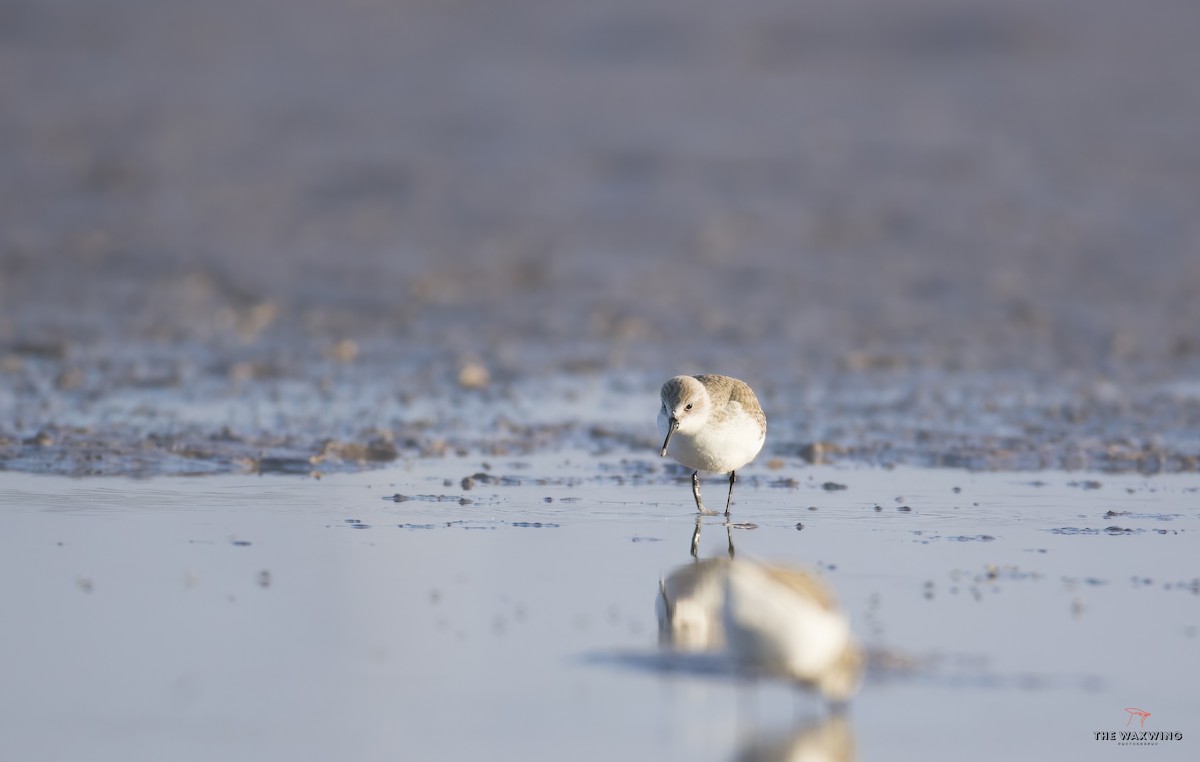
[1135, 712]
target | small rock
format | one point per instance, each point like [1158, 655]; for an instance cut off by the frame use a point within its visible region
[382, 450]
[818, 452]
[344, 351]
[11, 363]
[71, 378]
[473, 375]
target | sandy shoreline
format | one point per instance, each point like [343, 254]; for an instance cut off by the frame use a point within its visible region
[363, 417]
[223, 228]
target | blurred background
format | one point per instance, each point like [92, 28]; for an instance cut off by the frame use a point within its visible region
[425, 193]
[309, 236]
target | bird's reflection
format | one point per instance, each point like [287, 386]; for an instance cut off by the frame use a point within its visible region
[827, 740]
[695, 545]
[767, 620]
[689, 606]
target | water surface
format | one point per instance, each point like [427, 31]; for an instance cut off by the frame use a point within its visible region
[284, 617]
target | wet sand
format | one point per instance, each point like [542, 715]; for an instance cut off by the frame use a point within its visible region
[961, 231]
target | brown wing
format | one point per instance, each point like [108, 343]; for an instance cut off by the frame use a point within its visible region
[725, 389]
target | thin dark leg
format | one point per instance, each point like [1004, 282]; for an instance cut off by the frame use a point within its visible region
[696, 494]
[729, 500]
[729, 536]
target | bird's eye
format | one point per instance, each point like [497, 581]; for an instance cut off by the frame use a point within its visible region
[689, 407]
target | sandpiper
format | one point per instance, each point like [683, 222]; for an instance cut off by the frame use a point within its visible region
[711, 423]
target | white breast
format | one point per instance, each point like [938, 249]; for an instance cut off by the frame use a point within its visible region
[719, 446]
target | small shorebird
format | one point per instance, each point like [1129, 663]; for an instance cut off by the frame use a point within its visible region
[711, 423]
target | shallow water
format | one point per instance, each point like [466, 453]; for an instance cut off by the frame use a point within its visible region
[284, 617]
